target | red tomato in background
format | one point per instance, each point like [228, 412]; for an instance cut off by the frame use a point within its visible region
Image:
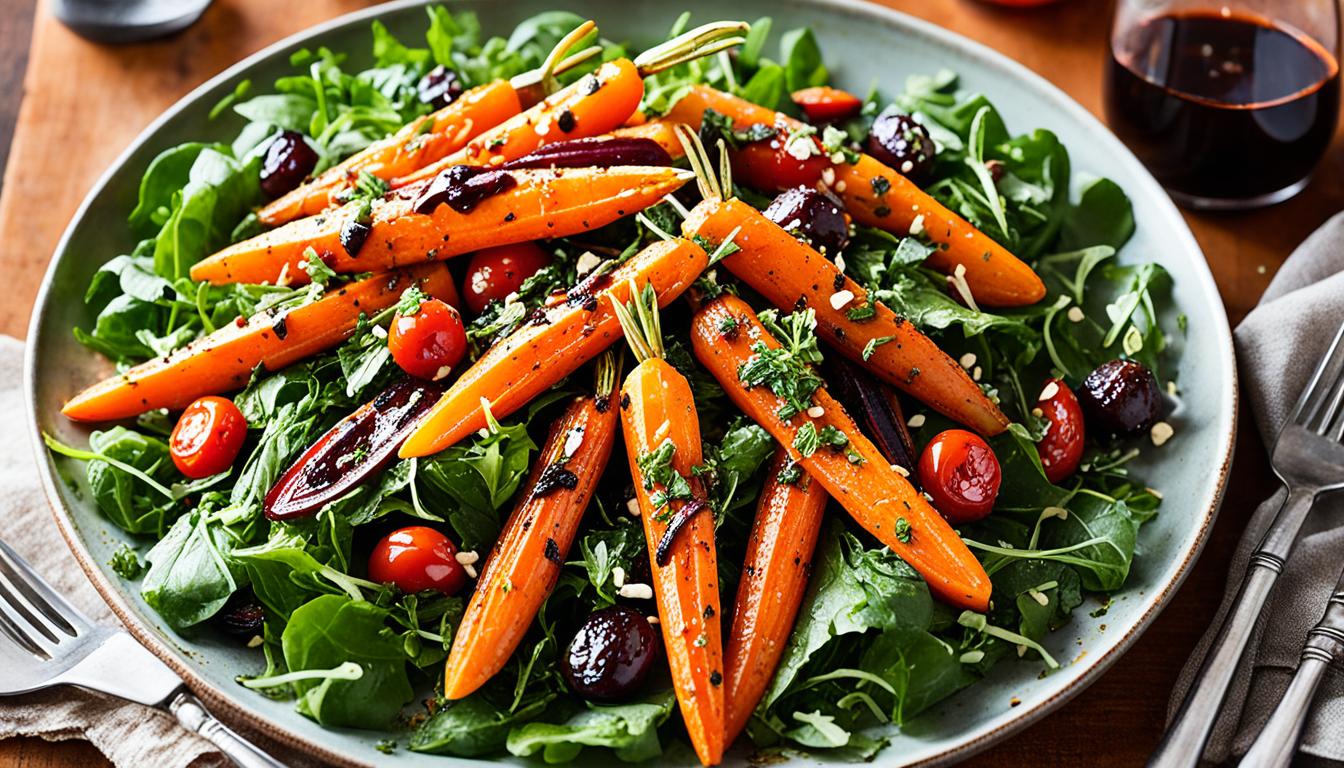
[1061, 448]
[207, 438]
[960, 471]
[415, 559]
[823, 103]
[494, 273]
[429, 342]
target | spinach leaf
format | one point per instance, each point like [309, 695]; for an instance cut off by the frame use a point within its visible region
[191, 575]
[472, 727]
[331, 630]
[127, 500]
[1102, 216]
[803, 67]
[631, 730]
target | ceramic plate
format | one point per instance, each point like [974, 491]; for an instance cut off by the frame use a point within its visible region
[862, 43]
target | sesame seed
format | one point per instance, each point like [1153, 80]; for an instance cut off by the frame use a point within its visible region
[1075, 314]
[907, 167]
[840, 298]
[840, 262]
[632, 506]
[1161, 433]
[975, 374]
[618, 577]
[840, 185]
[587, 262]
[916, 421]
[1050, 390]
[471, 570]
[255, 642]
[828, 176]
[898, 469]
[652, 619]
[1039, 597]
[1021, 651]
[573, 441]
[470, 557]
[379, 331]
[443, 372]
[967, 360]
[917, 226]
[816, 411]
[636, 592]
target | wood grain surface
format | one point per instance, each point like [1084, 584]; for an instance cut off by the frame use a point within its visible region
[83, 103]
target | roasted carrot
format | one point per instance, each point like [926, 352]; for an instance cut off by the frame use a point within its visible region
[878, 196]
[525, 563]
[537, 355]
[774, 577]
[424, 141]
[430, 138]
[596, 104]
[662, 442]
[789, 273]
[224, 360]
[541, 204]
[664, 132]
[848, 465]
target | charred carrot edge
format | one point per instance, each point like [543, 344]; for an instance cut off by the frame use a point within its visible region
[774, 578]
[416, 145]
[658, 407]
[858, 477]
[526, 560]
[543, 204]
[537, 355]
[996, 277]
[594, 105]
[788, 273]
[224, 360]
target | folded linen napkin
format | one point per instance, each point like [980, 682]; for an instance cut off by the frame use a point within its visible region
[128, 734]
[1278, 346]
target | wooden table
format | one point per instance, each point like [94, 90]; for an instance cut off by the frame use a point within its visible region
[85, 103]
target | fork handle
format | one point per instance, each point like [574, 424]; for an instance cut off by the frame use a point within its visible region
[193, 716]
[1183, 744]
[1277, 742]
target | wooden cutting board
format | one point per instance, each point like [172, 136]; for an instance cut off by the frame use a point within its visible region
[84, 103]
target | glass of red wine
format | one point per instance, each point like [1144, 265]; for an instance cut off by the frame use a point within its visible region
[1230, 104]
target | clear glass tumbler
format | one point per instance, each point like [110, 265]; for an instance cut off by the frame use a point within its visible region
[1230, 105]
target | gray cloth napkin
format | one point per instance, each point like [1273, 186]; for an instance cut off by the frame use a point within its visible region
[128, 734]
[1278, 346]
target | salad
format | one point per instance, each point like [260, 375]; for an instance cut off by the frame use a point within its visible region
[527, 394]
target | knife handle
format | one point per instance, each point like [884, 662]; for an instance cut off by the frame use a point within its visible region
[193, 716]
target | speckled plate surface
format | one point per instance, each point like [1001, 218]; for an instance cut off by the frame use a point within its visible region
[862, 43]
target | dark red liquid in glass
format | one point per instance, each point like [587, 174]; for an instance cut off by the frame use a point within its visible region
[1222, 107]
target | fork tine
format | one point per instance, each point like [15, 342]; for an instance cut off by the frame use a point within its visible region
[38, 593]
[18, 607]
[9, 628]
[1321, 423]
[1329, 373]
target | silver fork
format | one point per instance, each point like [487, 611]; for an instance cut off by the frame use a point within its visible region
[45, 641]
[1309, 458]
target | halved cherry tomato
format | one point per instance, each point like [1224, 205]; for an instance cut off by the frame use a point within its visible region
[767, 166]
[1062, 447]
[415, 559]
[959, 470]
[823, 103]
[428, 342]
[208, 436]
[494, 273]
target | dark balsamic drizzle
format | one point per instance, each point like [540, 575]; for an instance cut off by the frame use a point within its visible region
[353, 235]
[462, 188]
[663, 552]
[553, 477]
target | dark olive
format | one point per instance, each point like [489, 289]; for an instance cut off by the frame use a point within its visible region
[610, 655]
[815, 217]
[439, 87]
[900, 142]
[287, 162]
[1121, 397]
[241, 618]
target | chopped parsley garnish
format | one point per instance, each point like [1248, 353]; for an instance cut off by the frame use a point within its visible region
[316, 269]
[715, 125]
[728, 325]
[656, 469]
[881, 185]
[873, 344]
[410, 302]
[903, 531]
[861, 313]
[126, 563]
[786, 370]
[808, 439]
[790, 474]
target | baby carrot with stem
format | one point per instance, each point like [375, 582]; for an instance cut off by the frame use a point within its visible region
[790, 274]
[526, 560]
[410, 227]
[429, 138]
[832, 450]
[878, 196]
[774, 578]
[662, 441]
[569, 332]
[225, 360]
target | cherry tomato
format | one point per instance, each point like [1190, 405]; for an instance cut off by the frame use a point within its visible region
[428, 342]
[959, 470]
[494, 273]
[1062, 447]
[766, 167]
[415, 559]
[824, 103]
[208, 436]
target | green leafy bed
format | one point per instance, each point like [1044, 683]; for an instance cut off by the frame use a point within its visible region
[870, 647]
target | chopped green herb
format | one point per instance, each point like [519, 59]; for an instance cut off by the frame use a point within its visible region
[902, 530]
